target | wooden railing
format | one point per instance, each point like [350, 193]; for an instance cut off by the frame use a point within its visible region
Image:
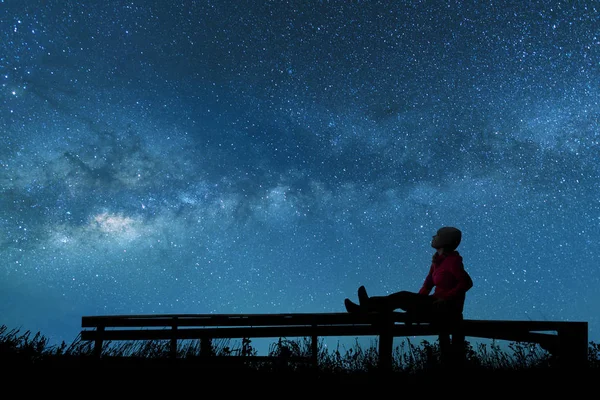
[566, 340]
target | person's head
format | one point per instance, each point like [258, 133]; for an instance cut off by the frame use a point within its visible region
[447, 239]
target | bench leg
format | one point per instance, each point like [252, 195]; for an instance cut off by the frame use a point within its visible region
[173, 349]
[445, 349]
[98, 343]
[452, 349]
[459, 351]
[315, 351]
[386, 344]
[573, 346]
[205, 346]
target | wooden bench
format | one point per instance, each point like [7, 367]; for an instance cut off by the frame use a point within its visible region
[568, 341]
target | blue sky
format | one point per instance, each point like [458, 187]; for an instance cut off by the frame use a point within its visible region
[271, 157]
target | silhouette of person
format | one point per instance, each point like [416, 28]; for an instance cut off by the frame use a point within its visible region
[447, 277]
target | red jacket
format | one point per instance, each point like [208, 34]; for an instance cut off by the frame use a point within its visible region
[447, 274]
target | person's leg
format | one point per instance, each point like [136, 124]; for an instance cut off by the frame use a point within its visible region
[407, 301]
[412, 302]
[366, 304]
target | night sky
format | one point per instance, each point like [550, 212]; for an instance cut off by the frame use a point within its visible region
[272, 156]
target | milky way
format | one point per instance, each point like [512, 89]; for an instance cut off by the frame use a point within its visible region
[271, 157]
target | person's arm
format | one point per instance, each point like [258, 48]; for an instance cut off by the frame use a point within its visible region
[463, 279]
[428, 284]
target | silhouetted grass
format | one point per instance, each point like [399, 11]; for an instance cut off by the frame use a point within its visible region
[25, 349]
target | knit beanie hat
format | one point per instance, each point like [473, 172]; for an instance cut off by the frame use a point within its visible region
[447, 238]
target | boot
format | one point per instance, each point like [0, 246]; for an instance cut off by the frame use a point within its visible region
[373, 304]
[351, 306]
[363, 297]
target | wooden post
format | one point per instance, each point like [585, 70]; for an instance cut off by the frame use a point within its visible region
[315, 349]
[459, 351]
[573, 345]
[386, 343]
[98, 342]
[205, 346]
[445, 348]
[452, 342]
[174, 338]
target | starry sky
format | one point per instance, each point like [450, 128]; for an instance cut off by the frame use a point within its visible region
[272, 156]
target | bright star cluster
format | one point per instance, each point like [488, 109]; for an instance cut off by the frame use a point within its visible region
[272, 156]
